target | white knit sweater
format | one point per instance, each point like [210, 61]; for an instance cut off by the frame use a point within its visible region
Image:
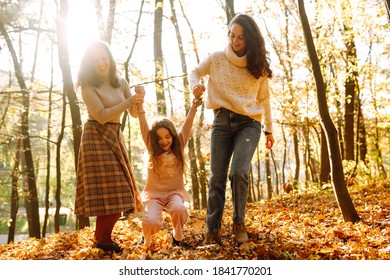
[232, 86]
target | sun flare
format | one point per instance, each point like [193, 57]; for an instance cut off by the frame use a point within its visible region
[82, 29]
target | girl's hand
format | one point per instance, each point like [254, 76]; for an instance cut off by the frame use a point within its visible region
[138, 97]
[139, 89]
[198, 90]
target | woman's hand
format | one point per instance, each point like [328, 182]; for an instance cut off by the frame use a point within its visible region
[269, 141]
[198, 90]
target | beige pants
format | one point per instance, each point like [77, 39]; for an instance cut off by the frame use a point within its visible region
[152, 221]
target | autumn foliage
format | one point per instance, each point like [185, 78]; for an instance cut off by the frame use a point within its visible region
[305, 226]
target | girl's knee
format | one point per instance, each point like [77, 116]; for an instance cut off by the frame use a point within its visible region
[152, 221]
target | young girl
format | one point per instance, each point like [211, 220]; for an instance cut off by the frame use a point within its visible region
[164, 188]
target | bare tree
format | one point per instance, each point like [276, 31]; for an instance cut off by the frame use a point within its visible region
[191, 142]
[387, 3]
[351, 86]
[37, 43]
[31, 196]
[69, 92]
[202, 173]
[58, 167]
[229, 10]
[268, 174]
[338, 179]
[14, 193]
[127, 63]
[158, 57]
[48, 150]
[105, 30]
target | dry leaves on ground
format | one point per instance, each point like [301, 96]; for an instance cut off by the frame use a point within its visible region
[297, 226]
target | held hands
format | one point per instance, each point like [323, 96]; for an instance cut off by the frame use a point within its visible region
[198, 90]
[138, 97]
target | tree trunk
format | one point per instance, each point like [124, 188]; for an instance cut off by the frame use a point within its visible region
[110, 21]
[268, 173]
[191, 142]
[58, 167]
[14, 193]
[387, 3]
[158, 57]
[378, 159]
[31, 196]
[296, 153]
[275, 172]
[127, 62]
[250, 188]
[325, 165]
[351, 85]
[48, 160]
[229, 10]
[63, 55]
[259, 187]
[37, 41]
[344, 200]
[105, 34]
[202, 173]
[361, 135]
[284, 155]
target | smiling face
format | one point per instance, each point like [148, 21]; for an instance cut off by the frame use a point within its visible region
[164, 138]
[102, 63]
[237, 39]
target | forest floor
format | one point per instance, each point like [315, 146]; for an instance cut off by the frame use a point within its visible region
[307, 226]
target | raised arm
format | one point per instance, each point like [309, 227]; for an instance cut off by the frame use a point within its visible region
[186, 128]
[143, 123]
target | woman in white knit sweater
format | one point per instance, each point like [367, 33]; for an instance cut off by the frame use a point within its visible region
[238, 92]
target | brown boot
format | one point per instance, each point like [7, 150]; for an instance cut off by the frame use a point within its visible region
[240, 233]
[212, 238]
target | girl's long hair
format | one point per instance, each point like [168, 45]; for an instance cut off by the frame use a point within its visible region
[87, 75]
[154, 148]
[258, 62]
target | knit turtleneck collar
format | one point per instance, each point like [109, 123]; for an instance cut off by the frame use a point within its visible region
[233, 58]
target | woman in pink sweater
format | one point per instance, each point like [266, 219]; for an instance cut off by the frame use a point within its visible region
[164, 188]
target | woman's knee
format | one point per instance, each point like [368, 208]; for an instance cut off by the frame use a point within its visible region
[238, 174]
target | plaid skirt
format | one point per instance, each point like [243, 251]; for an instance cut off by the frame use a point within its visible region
[105, 179]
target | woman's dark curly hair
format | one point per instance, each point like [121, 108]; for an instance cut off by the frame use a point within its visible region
[87, 75]
[258, 62]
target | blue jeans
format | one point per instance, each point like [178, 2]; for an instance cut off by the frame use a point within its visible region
[233, 137]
